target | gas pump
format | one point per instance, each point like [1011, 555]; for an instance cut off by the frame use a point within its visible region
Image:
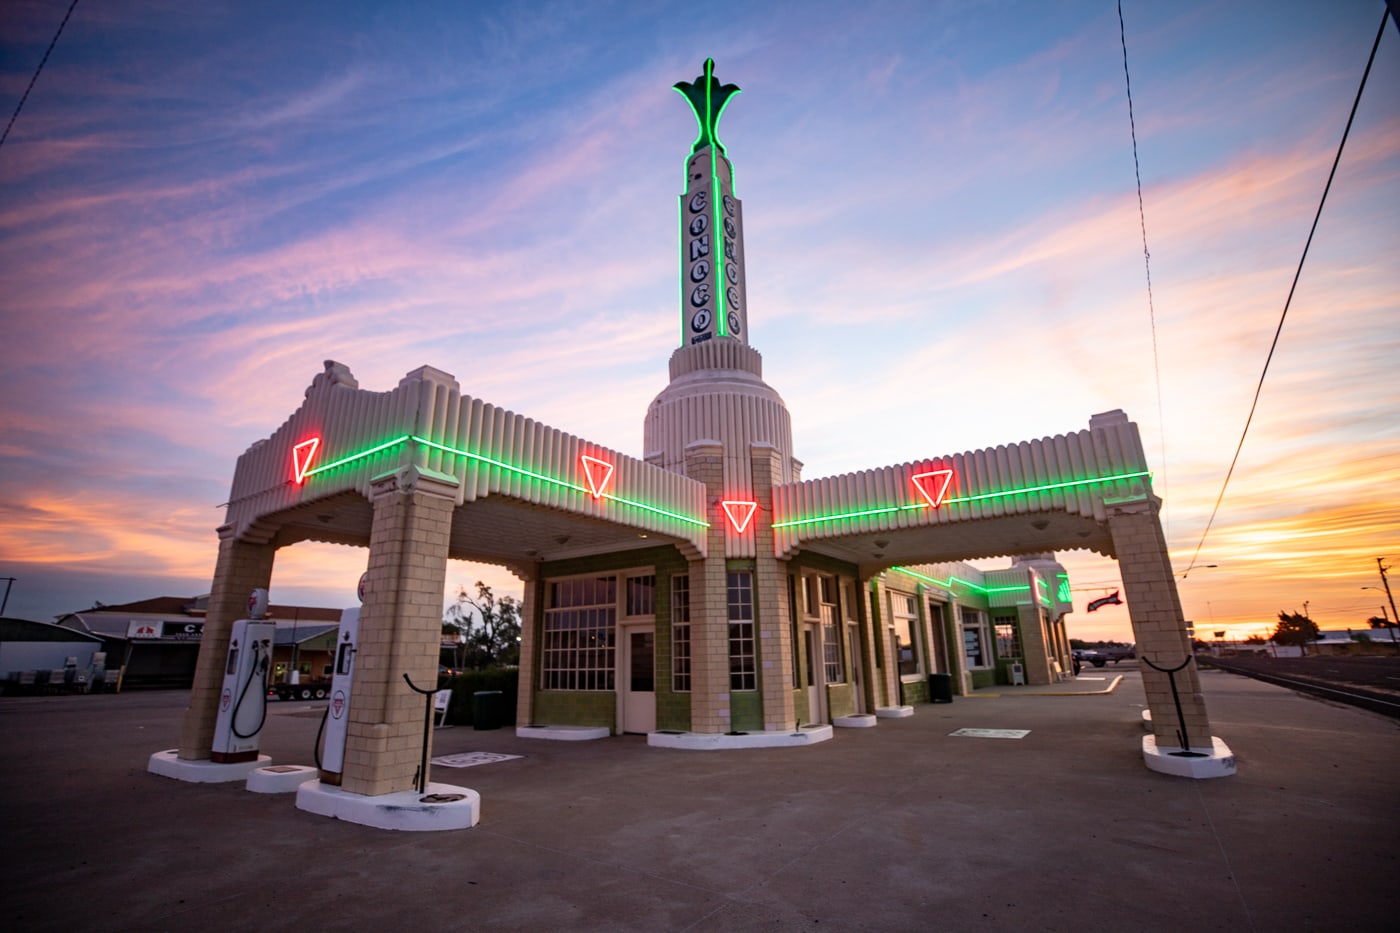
[337, 722]
[243, 698]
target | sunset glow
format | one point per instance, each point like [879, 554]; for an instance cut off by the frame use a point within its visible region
[939, 203]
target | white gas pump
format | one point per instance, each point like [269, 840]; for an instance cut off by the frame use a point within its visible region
[243, 699]
[338, 710]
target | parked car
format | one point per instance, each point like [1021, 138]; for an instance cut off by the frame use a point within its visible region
[1119, 654]
[1089, 656]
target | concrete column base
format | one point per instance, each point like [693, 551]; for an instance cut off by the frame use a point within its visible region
[894, 712]
[1212, 762]
[408, 811]
[856, 721]
[708, 741]
[279, 779]
[563, 733]
[202, 771]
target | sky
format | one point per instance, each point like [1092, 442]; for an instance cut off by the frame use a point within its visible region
[199, 203]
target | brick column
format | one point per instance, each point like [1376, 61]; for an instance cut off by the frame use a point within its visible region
[530, 628]
[1036, 650]
[771, 598]
[241, 568]
[709, 601]
[400, 628]
[887, 692]
[1158, 626]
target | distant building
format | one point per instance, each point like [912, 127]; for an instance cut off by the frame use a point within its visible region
[40, 655]
[156, 641]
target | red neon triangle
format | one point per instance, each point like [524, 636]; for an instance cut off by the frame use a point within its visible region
[302, 455]
[598, 473]
[933, 485]
[740, 513]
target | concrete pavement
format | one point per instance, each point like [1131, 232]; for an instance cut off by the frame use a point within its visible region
[898, 827]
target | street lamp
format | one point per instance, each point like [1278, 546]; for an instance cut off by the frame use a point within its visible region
[1183, 573]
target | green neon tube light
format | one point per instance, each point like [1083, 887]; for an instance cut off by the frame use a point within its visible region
[708, 100]
[717, 224]
[356, 456]
[406, 438]
[835, 516]
[945, 584]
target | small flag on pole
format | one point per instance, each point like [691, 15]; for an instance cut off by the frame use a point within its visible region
[1109, 600]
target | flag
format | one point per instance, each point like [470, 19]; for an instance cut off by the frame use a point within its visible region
[1109, 600]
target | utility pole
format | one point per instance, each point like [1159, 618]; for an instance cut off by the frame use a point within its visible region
[1380, 564]
[10, 581]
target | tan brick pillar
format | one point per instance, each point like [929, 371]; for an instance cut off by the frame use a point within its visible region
[400, 628]
[1036, 649]
[242, 567]
[888, 691]
[530, 628]
[1158, 625]
[771, 598]
[709, 601]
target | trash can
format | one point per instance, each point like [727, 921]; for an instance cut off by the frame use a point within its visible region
[940, 688]
[488, 709]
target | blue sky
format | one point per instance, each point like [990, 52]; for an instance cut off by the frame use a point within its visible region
[199, 205]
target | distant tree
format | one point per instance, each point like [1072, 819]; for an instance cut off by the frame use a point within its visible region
[489, 627]
[1380, 622]
[1294, 628]
[1254, 640]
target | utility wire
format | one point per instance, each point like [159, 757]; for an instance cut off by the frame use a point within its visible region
[25, 96]
[1292, 288]
[1146, 256]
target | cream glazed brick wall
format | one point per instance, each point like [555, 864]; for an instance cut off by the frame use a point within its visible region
[709, 601]
[888, 692]
[865, 656]
[242, 567]
[1158, 626]
[1035, 649]
[771, 598]
[400, 629]
[529, 626]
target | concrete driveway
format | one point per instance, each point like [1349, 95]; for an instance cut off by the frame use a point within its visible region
[899, 827]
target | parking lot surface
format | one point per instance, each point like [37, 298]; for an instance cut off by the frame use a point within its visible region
[898, 827]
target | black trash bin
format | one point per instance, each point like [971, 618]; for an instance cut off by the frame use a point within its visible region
[488, 709]
[940, 688]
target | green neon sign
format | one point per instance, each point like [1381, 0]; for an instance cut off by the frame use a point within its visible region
[491, 461]
[945, 584]
[707, 99]
[980, 497]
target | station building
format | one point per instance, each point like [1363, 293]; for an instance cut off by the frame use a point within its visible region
[703, 589]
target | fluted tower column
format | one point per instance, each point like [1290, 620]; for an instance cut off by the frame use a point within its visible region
[717, 393]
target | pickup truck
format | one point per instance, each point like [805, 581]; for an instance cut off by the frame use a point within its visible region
[306, 690]
[1119, 654]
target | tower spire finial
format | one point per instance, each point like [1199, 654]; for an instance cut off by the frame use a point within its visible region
[707, 98]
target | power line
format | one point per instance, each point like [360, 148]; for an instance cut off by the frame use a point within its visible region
[1292, 288]
[25, 96]
[1146, 256]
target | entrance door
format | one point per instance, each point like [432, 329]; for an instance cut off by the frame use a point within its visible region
[638, 680]
[816, 690]
[938, 633]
